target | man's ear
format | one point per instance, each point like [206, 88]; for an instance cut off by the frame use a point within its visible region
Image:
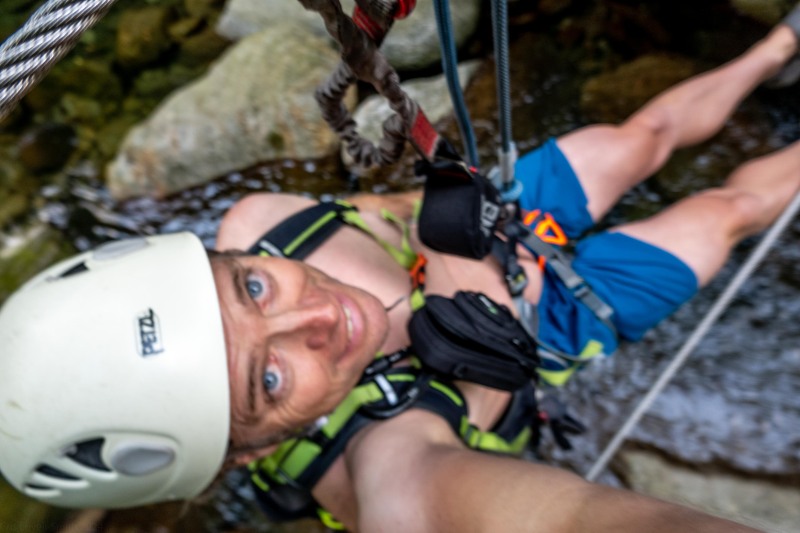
[236, 458]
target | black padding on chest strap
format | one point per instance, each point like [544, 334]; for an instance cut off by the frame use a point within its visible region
[302, 233]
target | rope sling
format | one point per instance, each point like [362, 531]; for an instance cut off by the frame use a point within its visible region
[54, 29]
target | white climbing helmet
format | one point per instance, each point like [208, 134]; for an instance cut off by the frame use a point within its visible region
[113, 377]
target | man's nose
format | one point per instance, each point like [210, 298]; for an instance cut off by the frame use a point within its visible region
[315, 319]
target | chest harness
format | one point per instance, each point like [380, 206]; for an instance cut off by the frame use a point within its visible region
[283, 480]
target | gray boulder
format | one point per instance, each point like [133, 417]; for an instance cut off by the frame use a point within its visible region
[430, 93]
[761, 503]
[255, 104]
[412, 43]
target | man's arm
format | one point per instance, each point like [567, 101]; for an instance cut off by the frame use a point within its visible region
[412, 474]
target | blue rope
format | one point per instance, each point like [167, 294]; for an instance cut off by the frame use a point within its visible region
[450, 66]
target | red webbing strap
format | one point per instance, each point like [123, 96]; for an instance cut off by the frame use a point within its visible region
[359, 38]
[423, 136]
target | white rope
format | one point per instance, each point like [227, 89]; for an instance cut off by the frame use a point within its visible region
[697, 335]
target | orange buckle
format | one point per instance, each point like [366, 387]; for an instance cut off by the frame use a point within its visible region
[547, 228]
[417, 272]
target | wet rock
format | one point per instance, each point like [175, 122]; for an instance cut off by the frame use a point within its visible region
[764, 504]
[46, 147]
[183, 28]
[412, 43]
[93, 80]
[214, 126]
[12, 206]
[612, 97]
[202, 48]
[202, 8]
[20, 513]
[767, 11]
[430, 93]
[241, 18]
[21, 257]
[142, 35]
[12, 119]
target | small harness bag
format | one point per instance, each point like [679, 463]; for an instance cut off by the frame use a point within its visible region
[470, 337]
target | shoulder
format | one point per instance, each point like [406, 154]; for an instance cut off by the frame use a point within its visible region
[251, 216]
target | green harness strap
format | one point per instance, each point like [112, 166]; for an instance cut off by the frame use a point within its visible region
[299, 462]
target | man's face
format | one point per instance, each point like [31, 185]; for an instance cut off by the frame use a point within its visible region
[297, 342]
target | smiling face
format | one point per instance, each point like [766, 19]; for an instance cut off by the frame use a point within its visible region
[297, 342]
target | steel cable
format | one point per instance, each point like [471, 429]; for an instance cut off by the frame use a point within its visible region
[52, 31]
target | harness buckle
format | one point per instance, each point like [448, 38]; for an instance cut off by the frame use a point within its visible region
[417, 272]
[580, 291]
[516, 282]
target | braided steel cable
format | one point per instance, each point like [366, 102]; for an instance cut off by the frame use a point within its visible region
[52, 31]
[507, 153]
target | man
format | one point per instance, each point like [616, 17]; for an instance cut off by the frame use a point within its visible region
[146, 418]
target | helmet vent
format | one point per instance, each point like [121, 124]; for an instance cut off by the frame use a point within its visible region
[89, 453]
[37, 487]
[77, 269]
[55, 473]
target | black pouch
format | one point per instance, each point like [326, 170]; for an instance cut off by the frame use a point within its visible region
[472, 338]
[460, 209]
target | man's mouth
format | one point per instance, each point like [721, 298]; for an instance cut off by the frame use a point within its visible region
[348, 324]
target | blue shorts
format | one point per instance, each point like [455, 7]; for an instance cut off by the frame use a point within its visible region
[641, 282]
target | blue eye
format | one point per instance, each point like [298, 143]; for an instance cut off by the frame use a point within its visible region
[271, 380]
[255, 287]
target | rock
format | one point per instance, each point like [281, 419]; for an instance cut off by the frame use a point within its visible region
[767, 11]
[763, 504]
[46, 147]
[614, 96]
[241, 18]
[430, 93]
[215, 126]
[202, 47]
[412, 43]
[25, 513]
[90, 79]
[25, 254]
[202, 8]
[142, 35]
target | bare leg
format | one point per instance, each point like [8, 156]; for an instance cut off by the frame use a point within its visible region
[702, 229]
[609, 160]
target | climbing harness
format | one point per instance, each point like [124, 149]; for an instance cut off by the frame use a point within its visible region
[285, 478]
[471, 338]
[51, 32]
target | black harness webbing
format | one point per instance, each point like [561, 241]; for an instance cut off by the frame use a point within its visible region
[303, 232]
